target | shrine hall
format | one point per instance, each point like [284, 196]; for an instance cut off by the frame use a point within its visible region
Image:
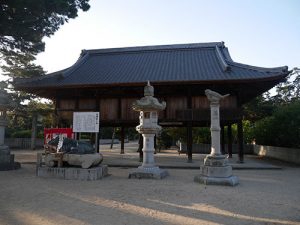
[110, 80]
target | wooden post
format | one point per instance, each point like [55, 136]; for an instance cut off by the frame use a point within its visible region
[33, 131]
[113, 138]
[155, 144]
[222, 140]
[240, 141]
[97, 142]
[189, 142]
[140, 149]
[97, 109]
[189, 129]
[229, 133]
[122, 139]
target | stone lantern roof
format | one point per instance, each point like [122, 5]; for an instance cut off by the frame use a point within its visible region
[148, 103]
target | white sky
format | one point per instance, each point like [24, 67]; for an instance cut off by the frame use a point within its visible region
[257, 32]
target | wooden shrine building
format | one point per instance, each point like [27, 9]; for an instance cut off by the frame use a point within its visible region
[109, 80]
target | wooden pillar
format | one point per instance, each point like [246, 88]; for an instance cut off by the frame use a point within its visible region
[155, 144]
[240, 141]
[189, 142]
[222, 140]
[229, 133]
[140, 149]
[113, 138]
[97, 109]
[122, 139]
[33, 131]
[97, 142]
[189, 129]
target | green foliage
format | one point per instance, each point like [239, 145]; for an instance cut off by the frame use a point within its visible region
[20, 118]
[23, 26]
[281, 129]
[169, 136]
[130, 133]
[165, 139]
[21, 134]
[258, 108]
[201, 135]
[274, 120]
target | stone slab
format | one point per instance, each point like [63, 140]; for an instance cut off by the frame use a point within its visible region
[10, 166]
[7, 161]
[148, 173]
[73, 173]
[216, 171]
[227, 181]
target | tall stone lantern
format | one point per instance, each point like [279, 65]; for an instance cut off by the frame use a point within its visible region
[148, 106]
[216, 169]
[6, 159]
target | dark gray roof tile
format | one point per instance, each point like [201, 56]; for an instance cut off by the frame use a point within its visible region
[167, 63]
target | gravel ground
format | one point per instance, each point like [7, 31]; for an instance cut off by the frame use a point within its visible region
[262, 197]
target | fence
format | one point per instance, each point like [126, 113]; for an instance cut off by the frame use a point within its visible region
[23, 143]
[205, 148]
[284, 154]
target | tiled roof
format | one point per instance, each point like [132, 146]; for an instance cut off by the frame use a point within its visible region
[203, 62]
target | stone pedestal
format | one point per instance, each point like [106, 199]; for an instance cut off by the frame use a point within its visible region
[148, 169]
[148, 173]
[7, 161]
[73, 173]
[215, 169]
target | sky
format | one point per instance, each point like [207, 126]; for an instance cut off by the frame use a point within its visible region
[263, 33]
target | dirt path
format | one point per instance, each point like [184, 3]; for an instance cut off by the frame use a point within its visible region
[263, 197]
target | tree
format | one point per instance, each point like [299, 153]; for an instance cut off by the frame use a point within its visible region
[281, 129]
[275, 119]
[258, 108]
[23, 24]
[288, 91]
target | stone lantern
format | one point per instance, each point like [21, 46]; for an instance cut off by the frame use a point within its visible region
[6, 159]
[148, 106]
[216, 169]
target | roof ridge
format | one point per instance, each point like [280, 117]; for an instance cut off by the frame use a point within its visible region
[75, 66]
[221, 59]
[154, 48]
[265, 69]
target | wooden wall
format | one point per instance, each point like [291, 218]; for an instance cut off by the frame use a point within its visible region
[112, 109]
[201, 102]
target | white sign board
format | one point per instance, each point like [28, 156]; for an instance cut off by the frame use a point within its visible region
[86, 122]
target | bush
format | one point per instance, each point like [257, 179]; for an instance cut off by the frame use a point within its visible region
[281, 129]
[21, 134]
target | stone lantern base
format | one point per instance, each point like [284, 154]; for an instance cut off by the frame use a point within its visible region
[148, 173]
[216, 171]
[7, 160]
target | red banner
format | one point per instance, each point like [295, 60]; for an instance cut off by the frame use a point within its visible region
[50, 133]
